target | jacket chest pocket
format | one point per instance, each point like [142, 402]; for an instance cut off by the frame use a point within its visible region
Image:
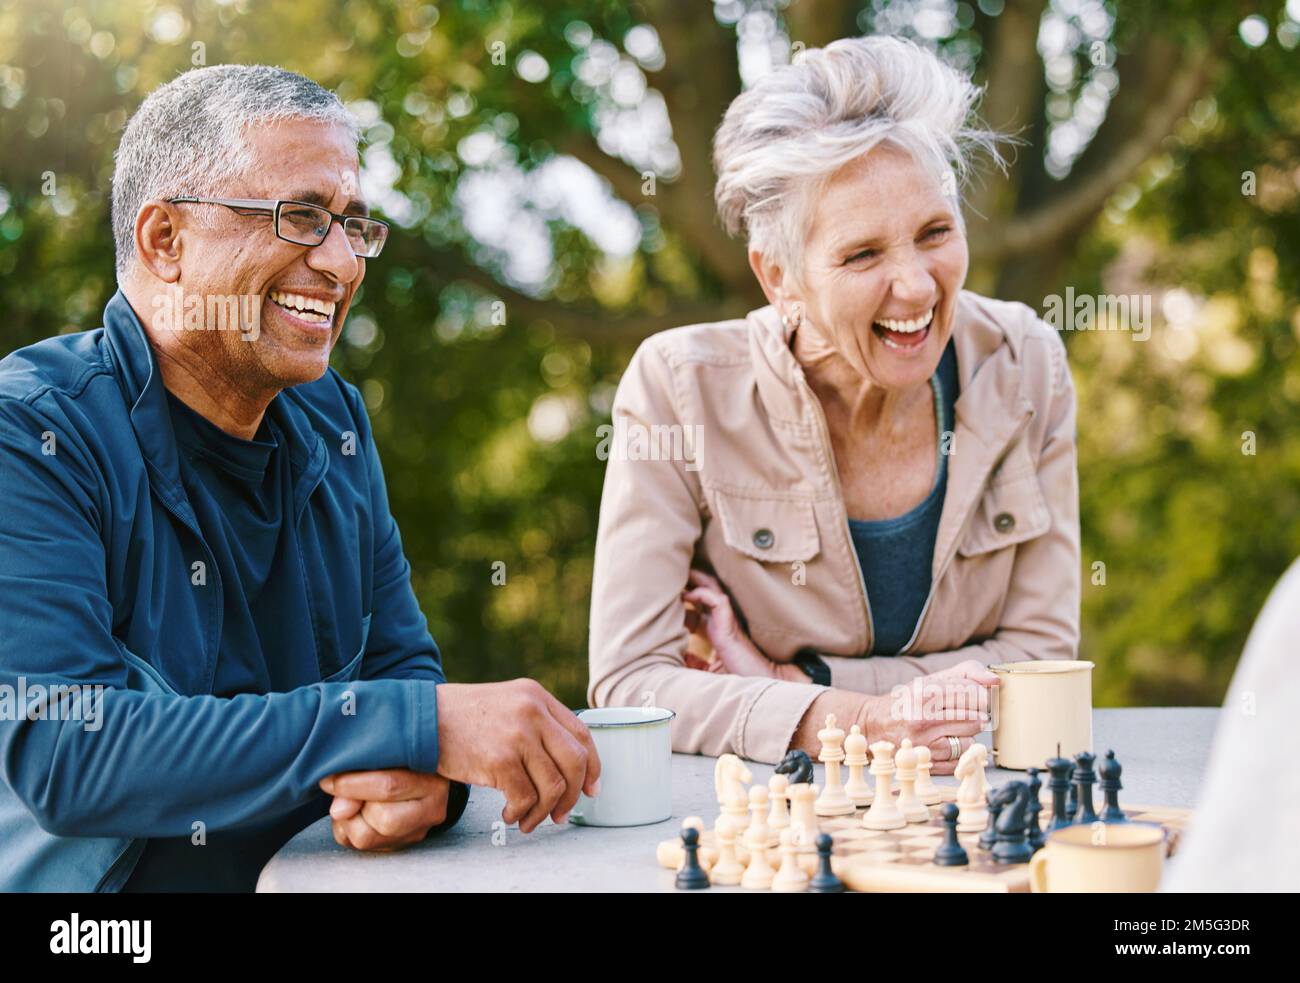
[353, 668]
[1012, 510]
[768, 528]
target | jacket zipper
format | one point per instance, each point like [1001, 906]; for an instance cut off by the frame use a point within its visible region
[952, 550]
[839, 500]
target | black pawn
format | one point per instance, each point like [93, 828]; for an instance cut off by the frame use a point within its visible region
[1036, 838]
[1110, 770]
[1084, 779]
[990, 834]
[825, 881]
[950, 852]
[1059, 785]
[692, 876]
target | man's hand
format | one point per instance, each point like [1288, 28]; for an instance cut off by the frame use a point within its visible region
[518, 738]
[385, 809]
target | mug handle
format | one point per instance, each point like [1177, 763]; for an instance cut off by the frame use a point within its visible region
[1038, 872]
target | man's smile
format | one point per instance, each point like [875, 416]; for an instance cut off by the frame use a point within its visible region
[311, 311]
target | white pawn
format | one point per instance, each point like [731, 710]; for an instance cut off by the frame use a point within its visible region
[758, 834]
[728, 868]
[912, 808]
[803, 816]
[884, 812]
[833, 801]
[671, 853]
[759, 874]
[791, 878]
[779, 818]
[926, 790]
[973, 815]
[855, 758]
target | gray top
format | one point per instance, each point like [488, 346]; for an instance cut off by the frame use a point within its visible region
[1163, 751]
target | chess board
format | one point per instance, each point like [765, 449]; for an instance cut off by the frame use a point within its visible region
[902, 860]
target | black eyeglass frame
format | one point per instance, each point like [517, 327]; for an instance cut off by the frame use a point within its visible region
[273, 207]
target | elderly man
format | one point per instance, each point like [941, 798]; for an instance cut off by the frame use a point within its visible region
[207, 626]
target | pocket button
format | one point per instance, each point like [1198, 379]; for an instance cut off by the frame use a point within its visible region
[764, 539]
[1004, 522]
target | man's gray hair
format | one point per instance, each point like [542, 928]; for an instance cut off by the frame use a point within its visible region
[784, 137]
[187, 137]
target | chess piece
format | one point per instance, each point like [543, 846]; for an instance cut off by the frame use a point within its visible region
[728, 870]
[1072, 803]
[926, 790]
[671, 854]
[1035, 831]
[833, 801]
[950, 853]
[855, 759]
[989, 835]
[803, 822]
[759, 873]
[797, 767]
[1059, 785]
[729, 776]
[825, 881]
[1084, 778]
[779, 818]
[692, 876]
[803, 815]
[1012, 846]
[884, 812]
[790, 879]
[758, 835]
[970, 794]
[1110, 770]
[912, 808]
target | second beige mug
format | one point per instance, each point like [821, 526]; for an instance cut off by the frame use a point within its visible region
[1125, 858]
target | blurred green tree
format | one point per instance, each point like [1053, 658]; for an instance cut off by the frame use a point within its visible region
[547, 166]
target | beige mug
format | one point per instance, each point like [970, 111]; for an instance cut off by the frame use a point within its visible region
[1038, 706]
[1100, 858]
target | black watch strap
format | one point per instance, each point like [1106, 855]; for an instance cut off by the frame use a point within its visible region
[814, 666]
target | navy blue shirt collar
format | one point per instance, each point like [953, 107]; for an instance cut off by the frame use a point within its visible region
[142, 386]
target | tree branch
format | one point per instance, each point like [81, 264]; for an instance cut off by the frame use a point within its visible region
[596, 325]
[1013, 97]
[699, 79]
[1083, 200]
[818, 24]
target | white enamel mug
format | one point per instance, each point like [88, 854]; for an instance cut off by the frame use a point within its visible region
[636, 767]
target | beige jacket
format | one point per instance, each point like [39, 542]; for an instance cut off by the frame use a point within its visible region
[750, 489]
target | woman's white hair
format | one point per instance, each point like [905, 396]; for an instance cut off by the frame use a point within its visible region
[784, 137]
[187, 137]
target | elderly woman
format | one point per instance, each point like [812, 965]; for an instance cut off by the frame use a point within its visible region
[870, 481]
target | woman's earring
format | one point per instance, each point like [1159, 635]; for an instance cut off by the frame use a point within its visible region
[792, 323]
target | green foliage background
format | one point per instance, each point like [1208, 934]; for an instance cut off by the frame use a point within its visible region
[1192, 532]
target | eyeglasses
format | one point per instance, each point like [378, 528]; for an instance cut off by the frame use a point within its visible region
[305, 224]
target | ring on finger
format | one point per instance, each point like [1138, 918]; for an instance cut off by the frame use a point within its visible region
[954, 748]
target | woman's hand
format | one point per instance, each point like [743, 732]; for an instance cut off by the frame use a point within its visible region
[950, 703]
[709, 613]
